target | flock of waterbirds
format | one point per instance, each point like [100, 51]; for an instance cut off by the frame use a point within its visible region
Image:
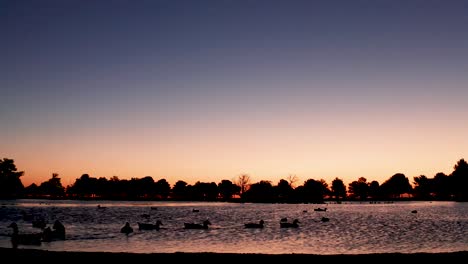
[57, 232]
[284, 223]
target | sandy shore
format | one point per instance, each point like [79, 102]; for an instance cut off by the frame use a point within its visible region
[61, 257]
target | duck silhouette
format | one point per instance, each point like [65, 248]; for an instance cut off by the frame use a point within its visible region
[205, 225]
[58, 232]
[126, 229]
[24, 239]
[294, 224]
[59, 229]
[255, 225]
[147, 226]
[320, 209]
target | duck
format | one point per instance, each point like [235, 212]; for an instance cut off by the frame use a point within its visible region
[59, 228]
[414, 211]
[325, 219]
[293, 224]
[255, 225]
[147, 226]
[205, 225]
[320, 209]
[126, 229]
[58, 232]
[24, 239]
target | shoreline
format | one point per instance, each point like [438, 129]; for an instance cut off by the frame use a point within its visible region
[61, 256]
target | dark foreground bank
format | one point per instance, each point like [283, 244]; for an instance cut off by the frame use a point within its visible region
[19, 255]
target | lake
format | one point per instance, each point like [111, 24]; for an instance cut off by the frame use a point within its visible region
[353, 227]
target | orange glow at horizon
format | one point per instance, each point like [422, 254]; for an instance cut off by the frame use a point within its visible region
[347, 150]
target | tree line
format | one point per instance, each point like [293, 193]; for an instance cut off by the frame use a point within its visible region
[441, 187]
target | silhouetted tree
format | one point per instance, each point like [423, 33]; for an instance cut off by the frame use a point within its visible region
[243, 182]
[397, 185]
[227, 189]
[326, 190]
[422, 187]
[284, 190]
[374, 190]
[203, 191]
[114, 178]
[179, 191]
[359, 189]
[460, 180]
[53, 187]
[131, 188]
[442, 186]
[312, 191]
[105, 189]
[125, 186]
[292, 179]
[261, 191]
[10, 182]
[84, 187]
[32, 190]
[115, 188]
[146, 187]
[162, 189]
[338, 189]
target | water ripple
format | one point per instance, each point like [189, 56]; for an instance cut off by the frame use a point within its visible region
[352, 227]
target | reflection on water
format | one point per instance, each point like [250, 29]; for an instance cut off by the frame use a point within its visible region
[352, 228]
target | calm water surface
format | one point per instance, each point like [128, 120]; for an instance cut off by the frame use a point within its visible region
[354, 228]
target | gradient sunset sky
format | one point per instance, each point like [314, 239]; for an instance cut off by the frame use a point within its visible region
[209, 90]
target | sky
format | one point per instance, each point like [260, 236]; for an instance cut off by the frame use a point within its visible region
[209, 90]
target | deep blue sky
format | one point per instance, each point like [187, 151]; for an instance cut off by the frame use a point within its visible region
[206, 90]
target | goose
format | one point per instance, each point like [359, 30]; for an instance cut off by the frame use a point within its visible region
[146, 226]
[58, 232]
[286, 224]
[254, 225]
[126, 229]
[197, 226]
[24, 239]
[59, 227]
